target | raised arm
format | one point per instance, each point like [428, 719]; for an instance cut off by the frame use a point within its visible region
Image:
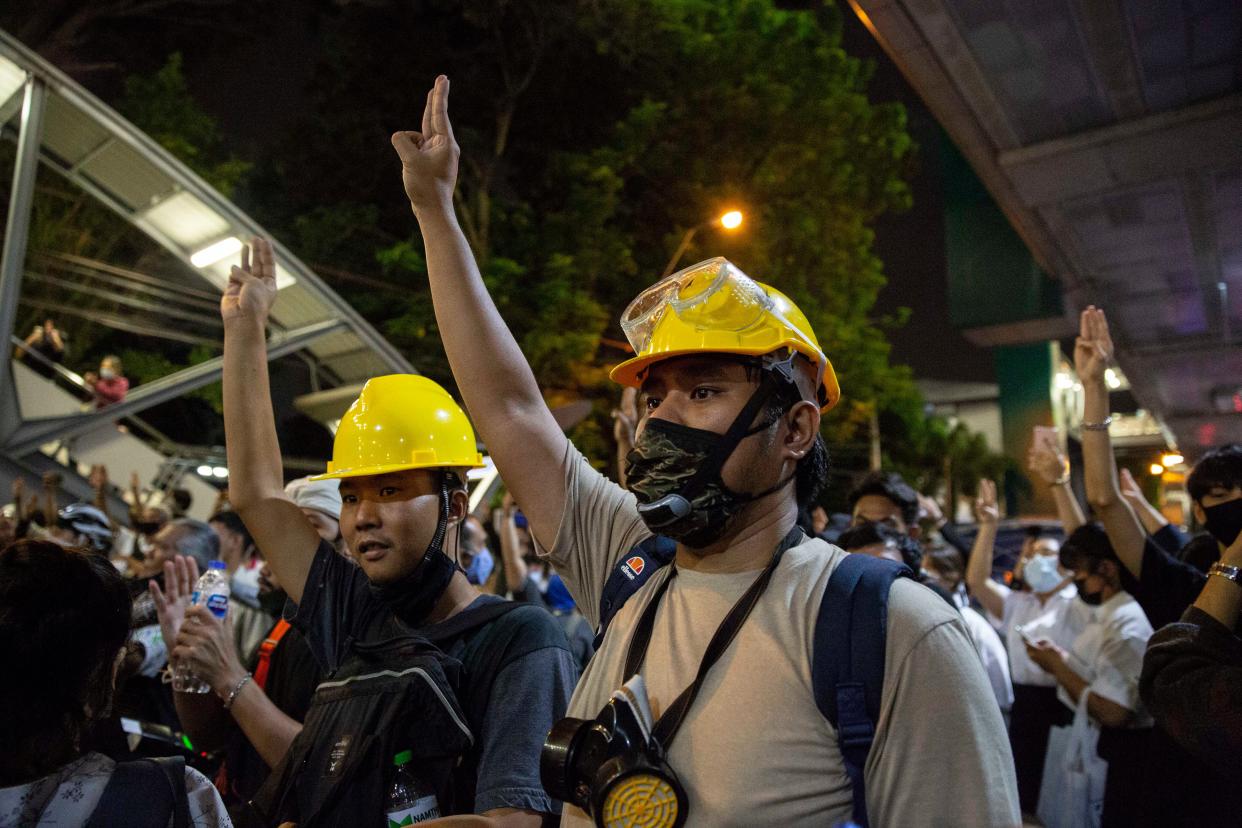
[1049, 465]
[510, 548]
[495, 380]
[979, 570]
[99, 485]
[624, 424]
[1093, 351]
[1151, 517]
[256, 479]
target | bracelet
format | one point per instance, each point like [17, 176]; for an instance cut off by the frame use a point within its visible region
[1231, 573]
[1100, 426]
[228, 703]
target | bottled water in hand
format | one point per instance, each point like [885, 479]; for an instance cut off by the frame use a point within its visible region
[212, 591]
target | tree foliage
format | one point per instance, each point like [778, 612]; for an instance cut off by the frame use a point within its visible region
[595, 134]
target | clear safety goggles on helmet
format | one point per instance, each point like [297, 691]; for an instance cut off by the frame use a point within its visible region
[712, 294]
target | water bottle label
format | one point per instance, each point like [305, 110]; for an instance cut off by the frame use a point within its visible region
[218, 604]
[194, 596]
[421, 811]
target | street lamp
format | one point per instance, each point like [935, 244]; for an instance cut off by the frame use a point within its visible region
[729, 221]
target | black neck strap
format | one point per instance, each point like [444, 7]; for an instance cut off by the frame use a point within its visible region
[670, 722]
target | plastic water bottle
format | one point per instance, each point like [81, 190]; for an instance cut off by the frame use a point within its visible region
[212, 591]
[410, 799]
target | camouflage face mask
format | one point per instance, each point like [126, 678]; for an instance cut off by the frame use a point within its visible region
[674, 471]
[664, 459]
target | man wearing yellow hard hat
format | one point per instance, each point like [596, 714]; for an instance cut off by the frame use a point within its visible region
[401, 454]
[746, 664]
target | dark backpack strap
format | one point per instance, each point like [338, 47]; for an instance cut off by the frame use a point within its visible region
[144, 792]
[467, 620]
[629, 575]
[847, 668]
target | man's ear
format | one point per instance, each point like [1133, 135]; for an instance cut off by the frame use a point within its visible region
[459, 505]
[801, 429]
[1109, 571]
[1200, 515]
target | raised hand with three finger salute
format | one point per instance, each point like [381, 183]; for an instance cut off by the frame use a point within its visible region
[429, 158]
[251, 290]
[1093, 350]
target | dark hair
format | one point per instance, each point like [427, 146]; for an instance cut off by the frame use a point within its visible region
[64, 615]
[889, 485]
[233, 522]
[1219, 468]
[812, 473]
[1086, 548]
[182, 499]
[812, 470]
[869, 534]
[949, 564]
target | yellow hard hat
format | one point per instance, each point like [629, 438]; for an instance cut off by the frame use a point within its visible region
[399, 422]
[713, 307]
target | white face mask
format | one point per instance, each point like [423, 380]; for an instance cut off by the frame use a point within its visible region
[1041, 573]
[107, 373]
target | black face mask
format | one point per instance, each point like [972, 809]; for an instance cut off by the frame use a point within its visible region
[1091, 599]
[1224, 521]
[674, 471]
[412, 597]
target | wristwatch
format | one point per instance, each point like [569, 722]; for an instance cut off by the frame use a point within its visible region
[1233, 573]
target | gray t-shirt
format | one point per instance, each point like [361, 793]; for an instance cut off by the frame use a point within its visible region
[754, 748]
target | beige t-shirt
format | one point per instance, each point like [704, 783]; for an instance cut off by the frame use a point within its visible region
[754, 749]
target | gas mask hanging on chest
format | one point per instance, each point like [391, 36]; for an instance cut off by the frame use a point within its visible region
[674, 470]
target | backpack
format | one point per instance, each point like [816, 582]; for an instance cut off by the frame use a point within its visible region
[847, 669]
[145, 793]
[399, 693]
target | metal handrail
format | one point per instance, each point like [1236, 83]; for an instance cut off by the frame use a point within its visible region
[165, 444]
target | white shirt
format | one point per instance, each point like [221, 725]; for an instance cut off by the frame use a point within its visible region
[1109, 655]
[992, 653]
[69, 796]
[1059, 620]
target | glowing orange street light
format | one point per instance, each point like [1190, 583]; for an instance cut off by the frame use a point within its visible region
[1157, 469]
[729, 221]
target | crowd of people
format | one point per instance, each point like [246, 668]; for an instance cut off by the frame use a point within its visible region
[699, 643]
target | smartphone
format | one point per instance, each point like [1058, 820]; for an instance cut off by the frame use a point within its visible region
[1026, 636]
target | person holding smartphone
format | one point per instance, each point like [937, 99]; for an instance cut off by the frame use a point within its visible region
[1049, 610]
